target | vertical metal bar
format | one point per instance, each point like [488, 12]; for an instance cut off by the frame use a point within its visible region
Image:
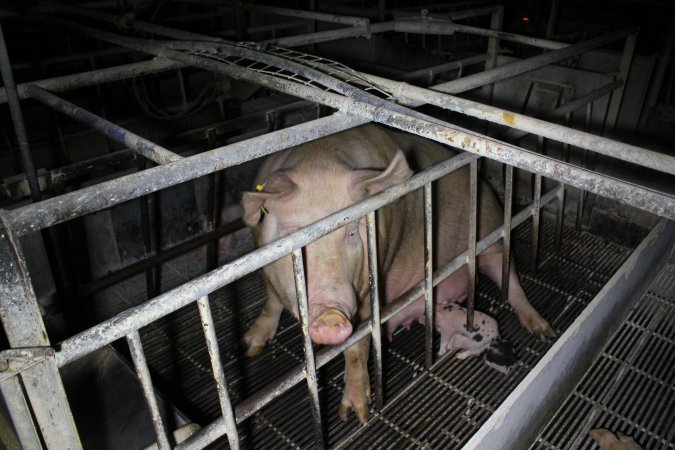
[493, 48]
[536, 212]
[536, 222]
[19, 413]
[428, 277]
[310, 366]
[23, 325]
[211, 209]
[508, 212]
[560, 209]
[375, 325]
[473, 221]
[218, 373]
[141, 365]
[147, 237]
[582, 193]
[622, 75]
[17, 118]
[238, 21]
[552, 18]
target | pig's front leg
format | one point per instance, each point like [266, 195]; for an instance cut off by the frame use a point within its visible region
[357, 382]
[265, 326]
[491, 265]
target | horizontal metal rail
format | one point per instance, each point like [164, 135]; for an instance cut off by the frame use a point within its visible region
[312, 15]
[149, 149]
[517, 68]
[104, 195]
[92, 77]
[608, 147]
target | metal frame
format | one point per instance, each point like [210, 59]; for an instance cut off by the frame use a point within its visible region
[18, 305]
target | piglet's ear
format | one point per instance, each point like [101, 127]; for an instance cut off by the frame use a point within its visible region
[277, 186]
[373, 181]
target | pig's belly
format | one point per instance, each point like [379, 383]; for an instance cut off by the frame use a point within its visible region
[452, 289]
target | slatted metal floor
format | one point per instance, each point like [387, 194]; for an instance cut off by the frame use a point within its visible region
[630, 387]
[440, 408]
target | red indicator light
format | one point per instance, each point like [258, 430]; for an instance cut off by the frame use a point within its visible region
[526, 19]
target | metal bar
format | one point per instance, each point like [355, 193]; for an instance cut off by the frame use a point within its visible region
[209, 328]
[560, 208]
[104, 195]
[141, 365]
[442, 68]
[323, 17]
[428, 277]
[582, 194]
[147, 243]
[375, 324]
[332, 35]
[23, 326]
[622, 75]
[494, 33]
[510, 70]
[583, 139]
[149, 149]
[659, 74]
[516, 422]
[19, 413]
[152, 261]
[552, 17]
[267, 394]
[310, 368]
[17, 118]
[506, 243]
[536, 220]
[473, 231]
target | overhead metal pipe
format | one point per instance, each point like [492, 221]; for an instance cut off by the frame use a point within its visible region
[630, 153]
[517, 68]
[92, 77]
[149, 149]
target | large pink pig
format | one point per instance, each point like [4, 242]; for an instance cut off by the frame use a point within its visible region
[301, 185]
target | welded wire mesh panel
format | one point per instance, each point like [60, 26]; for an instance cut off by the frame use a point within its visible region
[333, 69]
[629, 387]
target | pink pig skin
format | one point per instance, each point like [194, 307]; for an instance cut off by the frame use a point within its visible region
[301, 185]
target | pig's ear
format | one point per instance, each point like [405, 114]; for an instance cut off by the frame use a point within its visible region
[373, 181]
[254, 204]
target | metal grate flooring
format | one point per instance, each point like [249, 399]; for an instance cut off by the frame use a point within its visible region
[433, 409]
[630, 386]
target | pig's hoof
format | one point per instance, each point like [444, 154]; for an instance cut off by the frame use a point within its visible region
[538, 326]
[254, 340]
[331, 327]
[358, 403]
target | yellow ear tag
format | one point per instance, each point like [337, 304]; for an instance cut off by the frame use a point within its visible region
[260, 188]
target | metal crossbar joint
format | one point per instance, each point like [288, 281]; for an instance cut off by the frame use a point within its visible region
[16, 360]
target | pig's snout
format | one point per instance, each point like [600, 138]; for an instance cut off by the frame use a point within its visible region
[331, 327]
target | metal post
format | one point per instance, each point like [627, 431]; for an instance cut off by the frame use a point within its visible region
[141, 365]
[493, 48]
[536, 214]
[560, 208]
[310, 367]
[23, 325]
[508, 208]
[552, 18]
[622, 75]
[209, 328]
[428, 277]
[19, 412]
[375, 324]
[473, 221]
